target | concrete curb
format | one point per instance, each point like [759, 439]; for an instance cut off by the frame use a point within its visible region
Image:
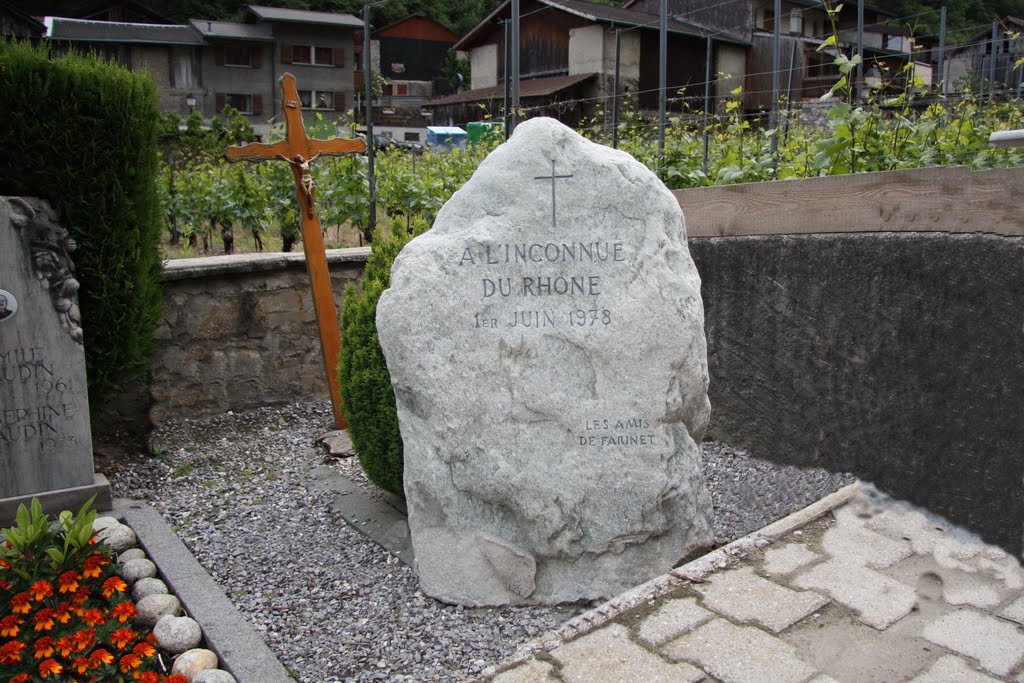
[694, 571]
[240, 649]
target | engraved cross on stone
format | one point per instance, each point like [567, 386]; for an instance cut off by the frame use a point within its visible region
[552, 178]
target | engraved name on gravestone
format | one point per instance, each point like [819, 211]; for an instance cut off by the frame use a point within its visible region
[45, 439]
[546, 346]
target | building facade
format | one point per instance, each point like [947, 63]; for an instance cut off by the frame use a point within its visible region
[207, 65]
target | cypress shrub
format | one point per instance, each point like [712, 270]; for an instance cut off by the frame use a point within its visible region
[81, 133]
[368, 401]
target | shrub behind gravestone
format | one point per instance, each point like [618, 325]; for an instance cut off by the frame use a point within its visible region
[81, 133]
[367, 398]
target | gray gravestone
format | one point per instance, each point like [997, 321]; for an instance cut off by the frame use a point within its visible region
[45, 440]
[546, 346]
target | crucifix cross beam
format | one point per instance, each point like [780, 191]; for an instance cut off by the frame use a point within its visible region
[300, 151]
[552, 178]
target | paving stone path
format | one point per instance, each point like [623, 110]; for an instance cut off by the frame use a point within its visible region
[857, 589]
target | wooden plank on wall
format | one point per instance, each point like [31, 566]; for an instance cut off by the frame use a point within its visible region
[956, 200]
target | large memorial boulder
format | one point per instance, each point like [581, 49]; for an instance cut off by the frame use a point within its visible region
[546, 347]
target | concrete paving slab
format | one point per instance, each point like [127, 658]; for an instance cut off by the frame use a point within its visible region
[997, 645]
[823, 679]
[954, 587]
[533, 671]
[1014, 611]
[610, 656]
[853, 543]
[740, 654]
[952, 669]
[788, 558]
[742, 595]
[878, 600]
[672, 619]
[370, 516]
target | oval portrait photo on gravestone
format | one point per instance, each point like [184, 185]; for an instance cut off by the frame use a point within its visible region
[8, 305]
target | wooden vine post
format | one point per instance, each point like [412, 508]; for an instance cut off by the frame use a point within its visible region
[300, 151]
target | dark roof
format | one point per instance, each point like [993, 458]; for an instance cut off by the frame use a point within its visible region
[421, 16]
[233, 30]
[1005, 23]
[302, 16]
[87, 9]
[606, 14]
[60, 28]
[533, 87]
[35, 25]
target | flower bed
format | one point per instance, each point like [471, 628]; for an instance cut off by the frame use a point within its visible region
[65, 613]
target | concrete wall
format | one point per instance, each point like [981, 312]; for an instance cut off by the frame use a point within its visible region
[483, 64]
[732, 60]
[881, 335]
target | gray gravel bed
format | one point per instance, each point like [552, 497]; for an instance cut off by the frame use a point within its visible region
[333, 605]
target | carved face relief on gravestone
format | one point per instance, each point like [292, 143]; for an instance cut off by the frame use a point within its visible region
[8, 304]
[546, 346]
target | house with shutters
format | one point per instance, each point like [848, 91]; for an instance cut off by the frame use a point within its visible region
[206, 65]
[568, 61]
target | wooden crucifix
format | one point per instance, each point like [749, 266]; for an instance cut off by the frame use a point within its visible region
[300, 151]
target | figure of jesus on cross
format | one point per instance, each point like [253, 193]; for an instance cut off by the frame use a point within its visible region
[300, 151]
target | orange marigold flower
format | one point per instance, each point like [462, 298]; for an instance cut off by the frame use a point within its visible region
[21, 678]
[122, 636]
[100, 656]
[83, 638]
[80, 596]
[4, 564]
[144, 649]
[151, 638]
[80, 665]
[124, 610]
[21, 603]
[146, 677]
[93, 565]
[10, 652]
[43, 619]
[40, 590]
[93, 617]
[62, 612]
[4, 586]
[68, 581]
[50, 666]
[130, 661]
[115, 584]
[175, 678]
[9, 625]
[43, 647]
[65, 646]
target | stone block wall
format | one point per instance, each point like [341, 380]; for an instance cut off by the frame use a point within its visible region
[238, 332]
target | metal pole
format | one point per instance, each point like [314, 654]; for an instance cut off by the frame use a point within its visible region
[941, 75]
[789, 89]
[514, 37]
[662, 72]
[508, 80]
[992, 61]
[776, 65]
[615, 89]
[860, 49]
[371, 223]
[707, 98]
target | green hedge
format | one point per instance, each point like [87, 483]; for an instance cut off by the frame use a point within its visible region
[367, 397]
[81, 133]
